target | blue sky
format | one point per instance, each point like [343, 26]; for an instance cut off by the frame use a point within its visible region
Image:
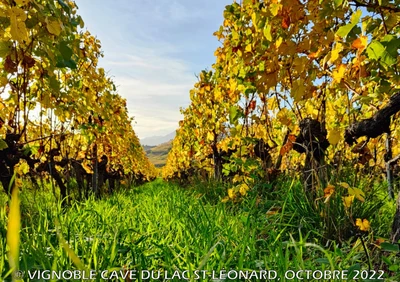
[153, 50]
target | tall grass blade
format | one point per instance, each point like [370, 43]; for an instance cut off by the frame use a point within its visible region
[13, 229]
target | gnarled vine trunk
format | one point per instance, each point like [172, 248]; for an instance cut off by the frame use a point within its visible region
[217, 162]
[373, 127]
[312, 140]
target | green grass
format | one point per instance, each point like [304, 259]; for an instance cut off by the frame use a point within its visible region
[160, 226]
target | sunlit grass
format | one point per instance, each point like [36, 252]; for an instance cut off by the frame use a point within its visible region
[160, 226]
[13, 232]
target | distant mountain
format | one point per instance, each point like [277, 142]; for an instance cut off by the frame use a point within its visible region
[158, 154]
[157, 140]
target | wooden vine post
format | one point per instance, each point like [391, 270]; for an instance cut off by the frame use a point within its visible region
[388, 165]
[395, 236]
[95, 180]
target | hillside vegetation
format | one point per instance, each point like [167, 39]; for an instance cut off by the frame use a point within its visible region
[158, 154]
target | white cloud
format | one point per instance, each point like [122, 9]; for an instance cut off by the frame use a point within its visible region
[153, 49]
[155, 87]
[159, 127]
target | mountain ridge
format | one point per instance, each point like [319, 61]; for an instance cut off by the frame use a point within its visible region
[157, 140]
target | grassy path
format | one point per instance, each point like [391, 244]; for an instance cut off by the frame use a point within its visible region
[162, 227]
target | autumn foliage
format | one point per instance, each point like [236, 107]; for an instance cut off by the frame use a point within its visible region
[56, 101]
[285, 68]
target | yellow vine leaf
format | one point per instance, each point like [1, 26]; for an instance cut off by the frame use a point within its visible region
[347, 201]
[358, 193]
[270, 79]
[243, 188]
[81, 155]
[87, 168]
[53, 27]
[344, 185]
[338, 73]
[18, 13]
[255, 18]
[267, 32]
[278, 42]
[334, 136]
[3, 81]
[210, 136]
[231, 193]
[298, 90]
[272, 103]
[299, 64]
[232, 84]
[22, 168]
[335, 52]
[364, 224]
[274, 8]
[18, 29]
[237, 178]
[260, 131]
[311, 110]
[3, 144]
[284, 118]
[248, 48]
[22, 2]
[218, 95]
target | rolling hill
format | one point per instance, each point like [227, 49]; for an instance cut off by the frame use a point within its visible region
[158, 154]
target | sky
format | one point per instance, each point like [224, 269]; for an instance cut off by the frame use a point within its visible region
[153, 50]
